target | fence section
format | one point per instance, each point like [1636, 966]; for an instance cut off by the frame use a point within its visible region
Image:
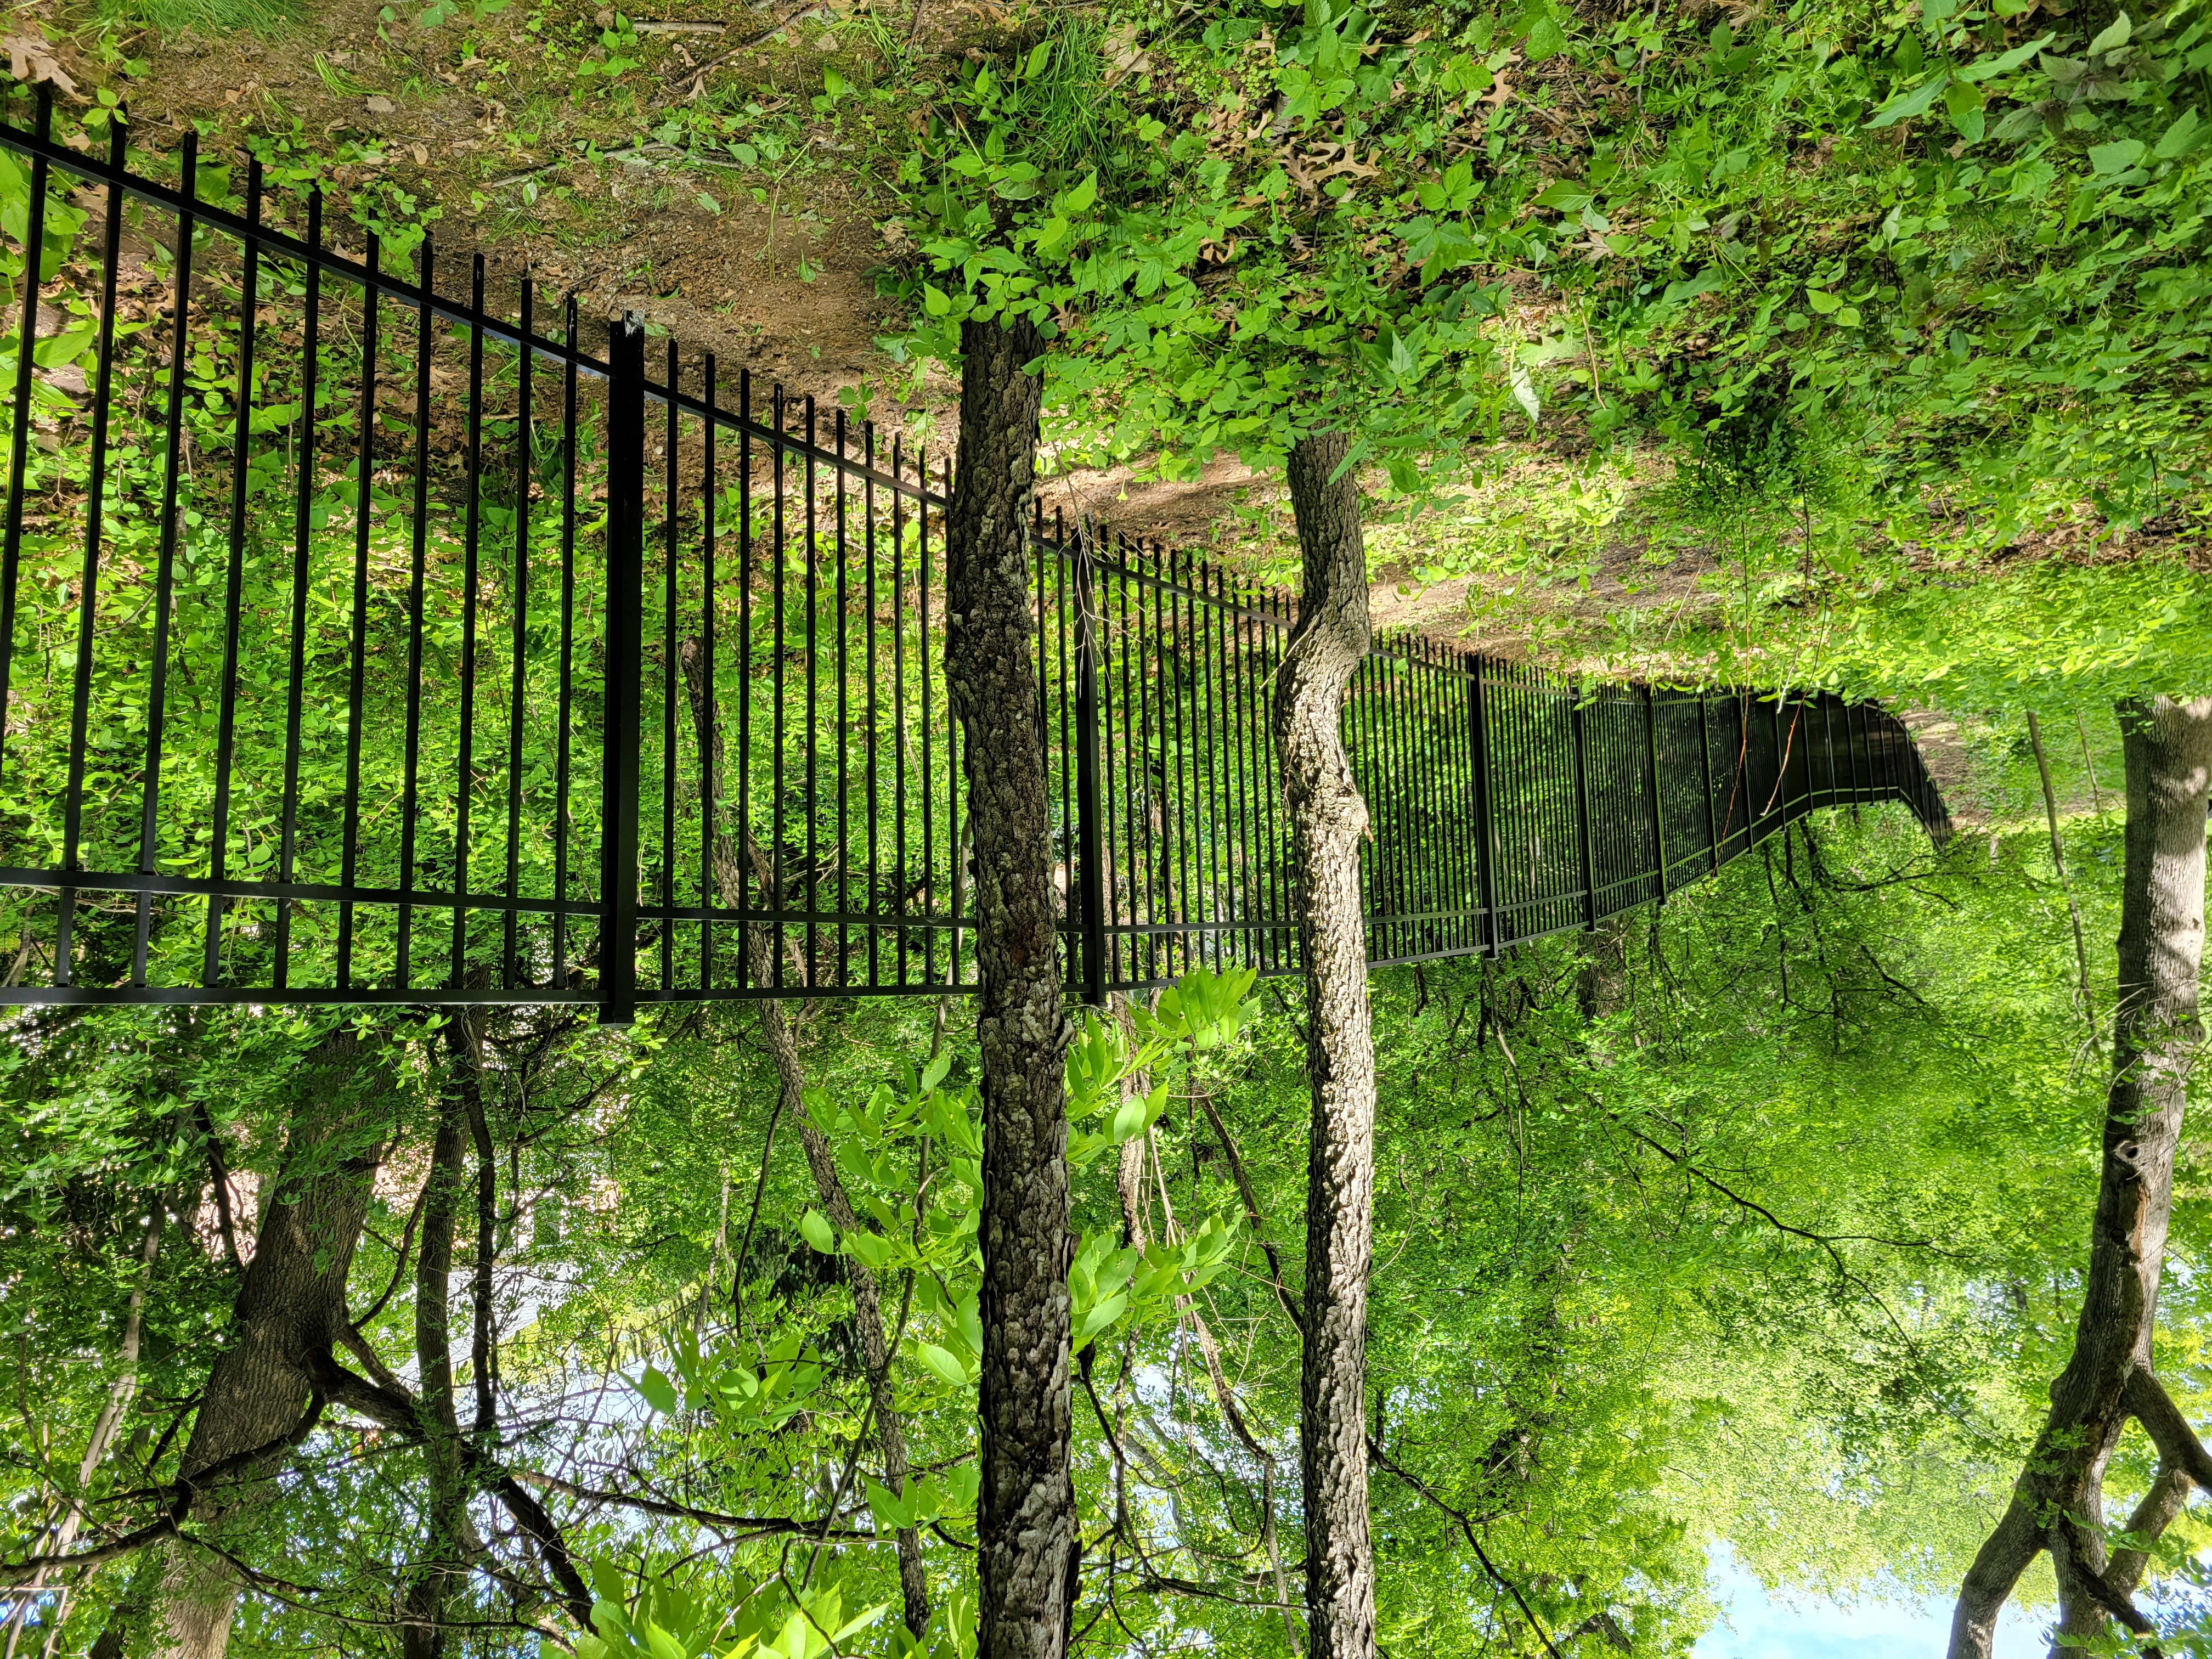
[364, 641]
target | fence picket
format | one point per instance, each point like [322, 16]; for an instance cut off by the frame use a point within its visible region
[194, 856]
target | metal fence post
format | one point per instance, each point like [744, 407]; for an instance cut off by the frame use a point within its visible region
[1582, 814]
[625, 616]
[1705, 772]
[1090, 877]
[1486, 870]
[1651, 778]
[1781, 796]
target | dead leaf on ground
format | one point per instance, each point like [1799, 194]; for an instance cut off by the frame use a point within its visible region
[31, 58]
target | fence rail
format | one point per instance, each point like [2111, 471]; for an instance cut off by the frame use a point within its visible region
[362, 643]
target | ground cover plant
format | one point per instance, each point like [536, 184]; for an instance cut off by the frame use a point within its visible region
[1827, 346]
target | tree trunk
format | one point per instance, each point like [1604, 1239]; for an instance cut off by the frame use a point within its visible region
[1327, 821]
[2057, 1502]
[1602, 982]
[422, 1637]
[1026, 1522]
[730, 878]
[290, 1309]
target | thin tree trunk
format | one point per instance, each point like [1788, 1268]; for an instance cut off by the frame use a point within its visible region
[1026, 1522]
[2057, 1504]
[291, 1308]
[730, 878]
[2058, 862]
[1327, 820]
[95, 1451]
[429, 1581]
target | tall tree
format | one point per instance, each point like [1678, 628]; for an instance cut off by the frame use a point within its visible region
[1328, 817]
[432, 1580]
[262, 1397]
[2058, 1501]
[1026, 1510]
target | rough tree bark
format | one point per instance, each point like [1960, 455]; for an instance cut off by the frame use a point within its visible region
[731, 865]
[430, 1580]
[2057, 1502]
[1026, 1520]
[1602, 982]
[1327, 821]
[261, 1394]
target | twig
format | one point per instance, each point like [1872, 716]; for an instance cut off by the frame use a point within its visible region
[738, 1273]
[2089, 763]
[2058, 859]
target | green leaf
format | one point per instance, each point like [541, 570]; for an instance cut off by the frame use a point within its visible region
[1130, 1120]
[944, 1363]
[938, 303]
[608, 1586]
[60, 350]
[1822, 302]
[1545, 40]
[961, 1486]
[660, 1392]
[1568, 195]
[2184, 136]
[891, 1511]
[1100, 1316]
[1703, 283]
[859, 1621]
[1905, 105]
[814, 1227]
[2118, 156]
[1524, 391]
[1982, 69]
[2113, 36]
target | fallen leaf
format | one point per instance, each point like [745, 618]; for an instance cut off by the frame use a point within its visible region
[379, 105]
[420, 153]
[30, 58]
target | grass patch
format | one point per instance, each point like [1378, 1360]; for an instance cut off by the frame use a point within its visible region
[210, 20]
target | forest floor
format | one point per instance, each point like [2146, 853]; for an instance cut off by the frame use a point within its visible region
[681, 166]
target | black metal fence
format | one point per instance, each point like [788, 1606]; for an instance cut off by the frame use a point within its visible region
[360, 642]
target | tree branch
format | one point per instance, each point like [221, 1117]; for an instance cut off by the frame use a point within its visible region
[2169, 1431]
[1291, 1306]
[1422, 1488]
[2075, 1541]
[219, 1174]
[751, 1526]
[397, 1413]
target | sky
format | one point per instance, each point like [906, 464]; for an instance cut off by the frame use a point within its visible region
[1758, 1625]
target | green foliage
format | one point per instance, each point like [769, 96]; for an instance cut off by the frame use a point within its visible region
[665, 1622]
